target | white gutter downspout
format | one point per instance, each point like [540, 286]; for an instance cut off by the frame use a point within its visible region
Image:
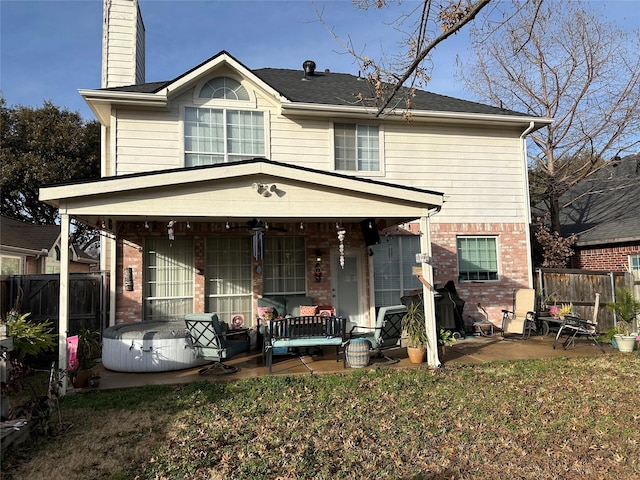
[525, 188]
[427, 290]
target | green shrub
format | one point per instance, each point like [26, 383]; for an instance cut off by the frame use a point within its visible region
[30, 338]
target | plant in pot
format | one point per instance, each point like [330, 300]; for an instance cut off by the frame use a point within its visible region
[414, 327]
[626, 309]
[89, 350]
[445, 339]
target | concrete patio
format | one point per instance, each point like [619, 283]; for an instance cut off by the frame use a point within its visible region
[469, 350]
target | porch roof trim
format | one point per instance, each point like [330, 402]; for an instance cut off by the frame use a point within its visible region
[226, 192]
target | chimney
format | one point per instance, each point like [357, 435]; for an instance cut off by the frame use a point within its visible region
[122, 44]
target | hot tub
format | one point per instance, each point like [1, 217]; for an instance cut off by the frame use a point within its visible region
[148, 347]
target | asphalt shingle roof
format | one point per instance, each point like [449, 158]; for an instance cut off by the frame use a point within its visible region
[14, 233]
[328, 88]
[606, 206]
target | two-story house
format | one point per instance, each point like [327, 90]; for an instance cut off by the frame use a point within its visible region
[227, 183]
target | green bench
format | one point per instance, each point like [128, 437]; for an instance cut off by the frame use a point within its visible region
[285, 334]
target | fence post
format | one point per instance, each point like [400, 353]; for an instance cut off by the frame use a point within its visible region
[613, 297]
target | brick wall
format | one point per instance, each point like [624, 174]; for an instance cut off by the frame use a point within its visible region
[129, 304]
[494, 296]
[512, 267]
[605, 258]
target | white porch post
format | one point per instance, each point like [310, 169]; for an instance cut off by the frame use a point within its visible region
[63, 309]
[113, 262]
[427, 293]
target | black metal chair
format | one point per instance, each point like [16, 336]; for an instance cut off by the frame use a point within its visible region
[209, 341]
[578, 326]
[387, 332]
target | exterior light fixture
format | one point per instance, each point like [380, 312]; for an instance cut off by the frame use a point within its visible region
[265, 189]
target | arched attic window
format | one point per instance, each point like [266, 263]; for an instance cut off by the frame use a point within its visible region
[224, 88]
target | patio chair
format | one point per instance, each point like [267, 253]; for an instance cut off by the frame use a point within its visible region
[577, 326]
[209, 341]
[522, 319]
[483, 327]
[386, 333]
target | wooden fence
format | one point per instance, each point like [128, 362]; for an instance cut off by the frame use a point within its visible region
[39, 295]
[579, 287]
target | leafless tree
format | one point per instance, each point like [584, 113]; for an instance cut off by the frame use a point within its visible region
[423, 27]
[567, 64]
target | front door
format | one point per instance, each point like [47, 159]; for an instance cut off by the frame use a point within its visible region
[348, 292]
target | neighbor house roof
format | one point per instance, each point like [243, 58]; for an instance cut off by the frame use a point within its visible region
[605, 207]
[27, 236]
[32, 239]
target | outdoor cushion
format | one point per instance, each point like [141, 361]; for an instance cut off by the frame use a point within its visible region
[308, 310]
[285, 304]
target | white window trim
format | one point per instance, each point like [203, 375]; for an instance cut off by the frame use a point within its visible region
[331, 165]
[21, 260]
[498, 250]
[198, 101]
[225, 105]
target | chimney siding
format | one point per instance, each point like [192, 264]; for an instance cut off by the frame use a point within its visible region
[123, 44]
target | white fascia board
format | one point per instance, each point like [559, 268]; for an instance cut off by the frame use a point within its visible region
[343, 183]
[128, 98]
[320, 110]
[10, 250]
[54, 194]
[101, 101]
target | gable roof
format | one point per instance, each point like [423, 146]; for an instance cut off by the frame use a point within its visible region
[27, 236]
[226, 190]
[297, 89]
[605, 207]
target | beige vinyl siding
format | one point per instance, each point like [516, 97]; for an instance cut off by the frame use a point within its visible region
[123, 57]
[306, 143]
[479, 170]
[147, 141]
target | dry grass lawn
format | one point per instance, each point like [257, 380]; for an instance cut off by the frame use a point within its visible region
[563, 418]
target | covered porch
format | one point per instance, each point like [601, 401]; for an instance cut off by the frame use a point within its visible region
[336, 217]
[467, 351]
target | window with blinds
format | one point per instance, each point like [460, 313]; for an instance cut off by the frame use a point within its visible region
[393, 262]
[228, 277]
[168, 269]
[284, 270]
[216, 135]
[477, 258]
[356, 147]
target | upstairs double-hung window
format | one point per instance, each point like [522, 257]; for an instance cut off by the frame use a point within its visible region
[220, 135]
[357, 147]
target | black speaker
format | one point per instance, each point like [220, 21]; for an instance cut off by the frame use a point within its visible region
[370, 232]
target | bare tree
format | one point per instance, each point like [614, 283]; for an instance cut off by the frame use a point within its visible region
[570, 65]
[427, 24]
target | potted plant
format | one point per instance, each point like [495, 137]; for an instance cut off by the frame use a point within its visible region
[445, 339]
[414, 327]
[89, 350]
[626, 308]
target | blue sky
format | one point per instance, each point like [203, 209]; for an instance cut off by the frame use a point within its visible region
[49, 49]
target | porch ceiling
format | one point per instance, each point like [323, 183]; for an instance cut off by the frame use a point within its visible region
[270, 191]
